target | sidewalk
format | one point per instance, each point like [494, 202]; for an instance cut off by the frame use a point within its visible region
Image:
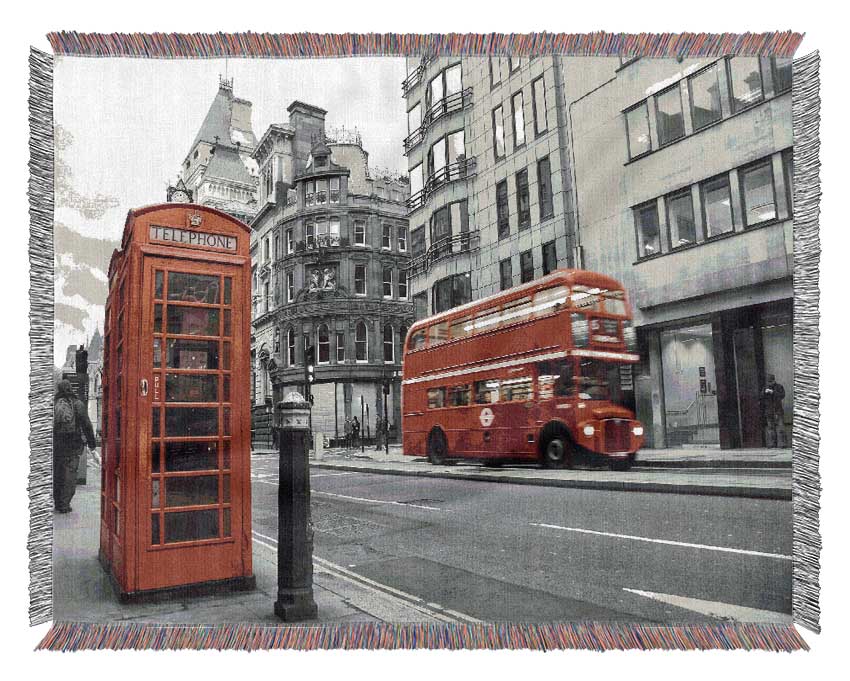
[754, 473]
[82, 591]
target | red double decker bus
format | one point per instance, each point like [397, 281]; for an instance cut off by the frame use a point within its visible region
[532, 373]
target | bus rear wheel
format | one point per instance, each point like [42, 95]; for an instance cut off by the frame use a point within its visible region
[437, 448]
[557, 452]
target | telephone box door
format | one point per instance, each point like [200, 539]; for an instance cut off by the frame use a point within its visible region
[194, 474]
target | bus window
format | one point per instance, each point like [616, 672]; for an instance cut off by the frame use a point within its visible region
[598, 380]
[549, 300]
[516, 389]
[436, 398]
[417, 340]
[459, 395]
[486, 392]
[486, 320]
[615, 303]
[460, 328]
[580, 329]
[516, 311]
[438, 333]
[554, 379]
[586, 298]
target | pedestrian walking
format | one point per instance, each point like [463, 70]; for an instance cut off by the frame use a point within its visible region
[355, 431]
[379, 433]
[72, 430]
[347, 431]
[773, 414]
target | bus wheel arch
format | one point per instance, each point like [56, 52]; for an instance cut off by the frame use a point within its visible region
[556, 446]
[437, 446]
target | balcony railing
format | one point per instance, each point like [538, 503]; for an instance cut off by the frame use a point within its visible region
[415, 77]
[322, 241]
[447, 105]
[444, 248]
[459, 170]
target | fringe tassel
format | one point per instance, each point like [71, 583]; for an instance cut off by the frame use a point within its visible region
[211, 45]
[40, 194]
[805, 109]
[73, 636]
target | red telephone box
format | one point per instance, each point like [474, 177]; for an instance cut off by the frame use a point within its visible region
[175, 481]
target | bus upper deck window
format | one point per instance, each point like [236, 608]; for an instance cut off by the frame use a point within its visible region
[516, 311]
[459, 395]
[549, 300]
[417, 340]
[486, 392]
[516, 389]
[438, 333]
[486, 320]
[459, 328]
[615, 303]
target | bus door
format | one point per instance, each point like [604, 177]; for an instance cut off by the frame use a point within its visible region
[513, 424]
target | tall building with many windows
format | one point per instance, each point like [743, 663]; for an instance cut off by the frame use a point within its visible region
[330, 248]
[683, 187]
[490, 180]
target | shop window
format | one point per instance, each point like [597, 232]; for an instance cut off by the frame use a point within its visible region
[745, 81]
[705, 97]
[757, 194]
[648, 233]
[717, 206]
[637, 130]
[680, 219]
[669, 117]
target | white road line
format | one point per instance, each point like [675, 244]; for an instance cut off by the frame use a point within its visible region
[327, 475]
[669, 542]
[432, 609]
[376, 501]
[726, 611]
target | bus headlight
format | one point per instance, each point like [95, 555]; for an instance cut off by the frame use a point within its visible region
[638, 430]
[589, 431]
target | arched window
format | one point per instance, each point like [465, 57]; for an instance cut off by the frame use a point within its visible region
[290, 347]
[361, 343]
[389, 349]
[324, 345]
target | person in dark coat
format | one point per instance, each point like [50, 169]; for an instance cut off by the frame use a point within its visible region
[71, 430]
[355, 431]
[773, 414]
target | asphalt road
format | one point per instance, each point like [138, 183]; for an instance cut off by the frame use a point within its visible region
[496, 551]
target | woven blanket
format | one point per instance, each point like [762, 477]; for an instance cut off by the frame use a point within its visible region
[462, 341]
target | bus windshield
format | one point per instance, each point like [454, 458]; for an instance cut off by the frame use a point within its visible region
[597, 380]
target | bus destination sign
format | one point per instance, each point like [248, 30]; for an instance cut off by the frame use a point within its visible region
[188, 237]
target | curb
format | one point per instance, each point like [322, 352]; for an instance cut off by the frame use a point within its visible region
[722, 463]
[775, 493]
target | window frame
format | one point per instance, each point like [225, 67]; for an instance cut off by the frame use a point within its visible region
[656, 96]
[506, 264]
[668, 200]
[774, 70]
[702, 190]
[518, 93]
[636, 210]
[390, 344]
[290, 286]
[401, 284]
[544, 199]
[496, 155]
[401, 238]
[363, 242]
[534, 109]
[340, 347]
[522, 189]
[691, 78]
[645, 104]
[742, 172]
[387, 282]
[528, 257]
[320, 344]
[290, 347]
[357, 267]
[731, 85]
[364, 342]
[386, 236]
[552, 247]
[506, 213]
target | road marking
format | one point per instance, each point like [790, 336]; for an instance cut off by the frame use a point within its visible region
[432, 609]
[328, 475]
[377, 501]
[669, 542]
[725, 611]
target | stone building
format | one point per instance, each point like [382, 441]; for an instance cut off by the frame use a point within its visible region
[683, 183]
[330, 249]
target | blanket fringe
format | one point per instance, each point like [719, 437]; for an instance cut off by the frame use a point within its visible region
[73, 636]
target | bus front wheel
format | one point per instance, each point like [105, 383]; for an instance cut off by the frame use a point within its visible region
[557, 452]
[437, 447]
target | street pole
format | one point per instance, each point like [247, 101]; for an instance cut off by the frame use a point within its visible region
[295, 529]
[386, 422]
[362, 425]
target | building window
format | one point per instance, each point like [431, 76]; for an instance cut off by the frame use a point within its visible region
[340, 347]
[782, 71]
[757, 193]
[389, 345]
[705, 97]
[668, 112]
[290, 347]
[550, 258]
[459, 221]
[290, 241]
[414, 119]
[420, 305]
[266, 250]
[451, 292]
[538, 105]
[745, 82]
[401, 238]
[717, 206]
[310, 234]
[359, 233]
[680, 219]
[361, 343]
[334, 232]
[290, 287]
[388, 282]
[324, 345]
[518, 119]
[788, 169]
[417, 241]
[544, 189]
[648, 233]
[360, 280]
[526, 266]
[637, 130]
[506, 278]
[310, 192]
[498, 132]
[321, 192]
[266, 302]
[523, 204]
[515, 63]
[495, 71]
[276, 251]
[334, 191]
[416, 186]
[502, 210]
[435, 91]
[386, 237]
[402, 337]
[402, 284]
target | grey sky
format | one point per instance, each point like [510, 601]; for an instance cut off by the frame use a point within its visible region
[132, 120]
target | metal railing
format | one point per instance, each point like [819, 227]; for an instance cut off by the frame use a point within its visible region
[459, 170]
[443, 248]
[443, 107]
[415, 77]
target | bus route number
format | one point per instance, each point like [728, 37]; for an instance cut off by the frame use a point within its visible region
[486, 417]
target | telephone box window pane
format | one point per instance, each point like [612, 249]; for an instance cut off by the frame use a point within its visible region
[192, 491]
[226, 457]
[190, 525]
[228, 324]
[192, 321]
[228, 285]
[191, 421]
[191, 388]
[155, 447]
[157, 318]
[195, 288]
[225, 390]
[225, 489]
[154, 493]
[157, 287]
[189, 354]
[157, 353]
[226, 522]
[227, 420]
[155, 528]
[226, 358]
[155, 422]
[192, 456]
